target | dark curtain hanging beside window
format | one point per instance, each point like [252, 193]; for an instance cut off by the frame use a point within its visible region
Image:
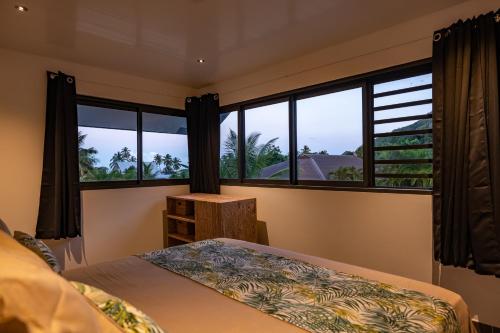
[203, 143]
[467, 144]
[59, 210]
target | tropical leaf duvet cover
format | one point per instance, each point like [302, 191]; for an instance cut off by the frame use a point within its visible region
[311, 297]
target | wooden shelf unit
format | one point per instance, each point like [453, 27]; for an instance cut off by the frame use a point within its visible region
[199, 216]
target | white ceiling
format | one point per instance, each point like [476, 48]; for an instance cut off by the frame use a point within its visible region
[161, 39]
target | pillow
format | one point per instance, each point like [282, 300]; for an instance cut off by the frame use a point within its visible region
[4, 228]
[40, 248]
[122, 313]
[34, 299]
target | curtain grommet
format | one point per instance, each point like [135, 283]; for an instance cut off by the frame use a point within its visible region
[216, 97]
[188, 100]
[70, 80]
[437, 37]
[53, 76]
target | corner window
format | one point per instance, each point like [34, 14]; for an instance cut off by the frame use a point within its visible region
[122, 145]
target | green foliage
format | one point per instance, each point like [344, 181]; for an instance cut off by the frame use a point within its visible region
[307, 150]
[148, 171]
[406, 154]
[346, 174]
[170, 166]
[257, 157]
[229, 161]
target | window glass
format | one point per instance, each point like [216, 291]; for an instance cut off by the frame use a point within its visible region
[402, 126]
[229, 145]
[403, 98]
[266, 142]
[415, 110]
[398, 166]
[330, 136]
[409, 82]
[165, 147]
[107, 144]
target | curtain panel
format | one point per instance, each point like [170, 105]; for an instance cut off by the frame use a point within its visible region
[59, 210]
[466, 125]
[203, 143]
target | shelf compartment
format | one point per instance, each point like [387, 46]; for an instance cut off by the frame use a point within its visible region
[183, 238]
[180, 207]
[189, 219]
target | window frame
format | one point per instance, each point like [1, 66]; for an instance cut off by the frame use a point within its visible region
[138, 109]
[366, 82]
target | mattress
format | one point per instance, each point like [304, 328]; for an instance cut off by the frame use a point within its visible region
[179, 304]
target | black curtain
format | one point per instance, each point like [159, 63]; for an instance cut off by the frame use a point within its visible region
[204, 143]
[467, 145]
[59, 210]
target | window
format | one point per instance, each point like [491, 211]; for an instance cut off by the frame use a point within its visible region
[402, 138]
[373, 130]
[165, 147]
[107, 140]
[330, 136]
[266, 142]
[229, 145]
[113, 144]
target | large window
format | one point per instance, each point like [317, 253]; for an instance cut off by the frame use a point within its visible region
[373, 130]
[266, 142]
[120, 144]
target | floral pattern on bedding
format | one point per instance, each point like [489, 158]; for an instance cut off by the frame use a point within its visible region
[311, 297]
[129, 318]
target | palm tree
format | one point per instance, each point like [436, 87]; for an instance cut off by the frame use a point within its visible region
[257, 156]
[148, 171]
[114, 162]
[127, 155]
[168, 167]
[158, 159]
[176, 164]
[229, 161]
[87, 159]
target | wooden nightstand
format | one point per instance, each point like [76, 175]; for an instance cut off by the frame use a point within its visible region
[199, 216]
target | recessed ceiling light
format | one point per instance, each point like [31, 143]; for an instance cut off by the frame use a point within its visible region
[21, 8]
[200, 60]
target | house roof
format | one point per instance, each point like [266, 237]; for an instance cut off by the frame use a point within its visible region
[316, 166]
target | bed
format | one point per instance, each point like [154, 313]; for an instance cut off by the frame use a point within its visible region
[180, 304]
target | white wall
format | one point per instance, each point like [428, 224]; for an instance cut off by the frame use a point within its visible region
[389, 232]
[116, 223]
[360, 228]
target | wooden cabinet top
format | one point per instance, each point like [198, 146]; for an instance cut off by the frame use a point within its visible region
[216, 198]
